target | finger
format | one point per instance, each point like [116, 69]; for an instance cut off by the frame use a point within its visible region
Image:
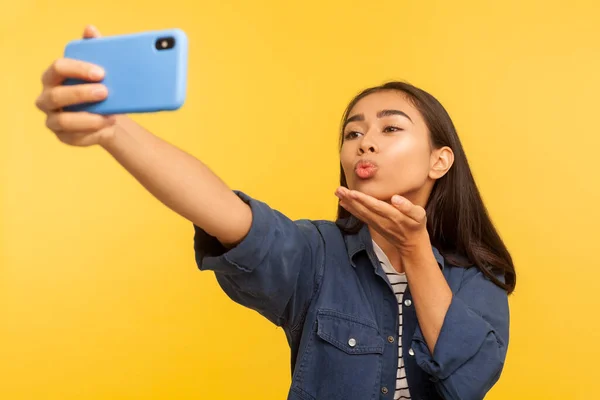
[377, 206]
[406, 207]
[367, 206]
[77, 122]
[64, 68]
[91, 32]
[349, 203]
[360, 211]
[62, 96]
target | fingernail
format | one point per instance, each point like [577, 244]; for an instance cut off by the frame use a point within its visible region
[397, 200]
[99, 93]
[96, 73]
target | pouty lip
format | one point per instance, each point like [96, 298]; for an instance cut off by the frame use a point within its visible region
[365, 169]
[365, 163]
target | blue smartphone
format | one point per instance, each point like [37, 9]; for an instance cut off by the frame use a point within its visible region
[144, 72]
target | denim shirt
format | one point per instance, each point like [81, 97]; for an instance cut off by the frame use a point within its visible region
[328, 292]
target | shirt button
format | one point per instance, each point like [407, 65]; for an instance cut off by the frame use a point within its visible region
[352, 342]
[411, 352]
[384, 390]
[391, 339]
[407, 302]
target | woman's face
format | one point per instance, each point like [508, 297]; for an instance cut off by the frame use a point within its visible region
[386, 148]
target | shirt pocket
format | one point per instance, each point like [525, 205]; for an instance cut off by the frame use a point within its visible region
[343, 359]
[350, 334]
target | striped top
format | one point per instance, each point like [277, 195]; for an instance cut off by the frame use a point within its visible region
[399, 283]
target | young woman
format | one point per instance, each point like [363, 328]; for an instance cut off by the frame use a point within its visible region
[403, 297]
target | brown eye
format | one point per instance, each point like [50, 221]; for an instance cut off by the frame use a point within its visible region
[351, 135]
[391, 128]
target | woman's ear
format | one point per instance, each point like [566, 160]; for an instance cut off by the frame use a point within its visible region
[441, 161]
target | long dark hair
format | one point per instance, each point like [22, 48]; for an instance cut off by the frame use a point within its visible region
[457, 220]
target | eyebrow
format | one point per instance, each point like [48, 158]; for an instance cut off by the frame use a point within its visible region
[380, 114]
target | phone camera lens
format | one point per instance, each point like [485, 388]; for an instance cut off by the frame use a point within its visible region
[164, 43]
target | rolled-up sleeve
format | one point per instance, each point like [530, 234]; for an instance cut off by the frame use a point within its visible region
[273, 270]
[471, 348]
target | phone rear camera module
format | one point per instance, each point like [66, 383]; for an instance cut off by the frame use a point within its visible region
[164, 43]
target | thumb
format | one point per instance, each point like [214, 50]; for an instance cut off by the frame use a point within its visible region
[406, 207]
[91, 32]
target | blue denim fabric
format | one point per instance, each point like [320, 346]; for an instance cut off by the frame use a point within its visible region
[324, 287]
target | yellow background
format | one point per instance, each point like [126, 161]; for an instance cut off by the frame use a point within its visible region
[100, 297]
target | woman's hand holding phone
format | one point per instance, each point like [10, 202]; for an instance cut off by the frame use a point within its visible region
[180, 181]
[75, 128]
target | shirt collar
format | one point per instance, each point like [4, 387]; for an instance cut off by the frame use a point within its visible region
[362, 241]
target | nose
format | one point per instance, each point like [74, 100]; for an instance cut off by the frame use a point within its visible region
[367, 145]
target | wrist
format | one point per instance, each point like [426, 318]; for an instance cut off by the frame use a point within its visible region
[107, 137]
[419, 252]
[109, 134]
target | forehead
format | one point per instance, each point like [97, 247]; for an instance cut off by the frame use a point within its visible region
[371, 104]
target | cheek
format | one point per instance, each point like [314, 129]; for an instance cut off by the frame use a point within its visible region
[346, 158]
[408, 161]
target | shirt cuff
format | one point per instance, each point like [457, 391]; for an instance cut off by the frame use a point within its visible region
[210, 254]
[462, 335]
